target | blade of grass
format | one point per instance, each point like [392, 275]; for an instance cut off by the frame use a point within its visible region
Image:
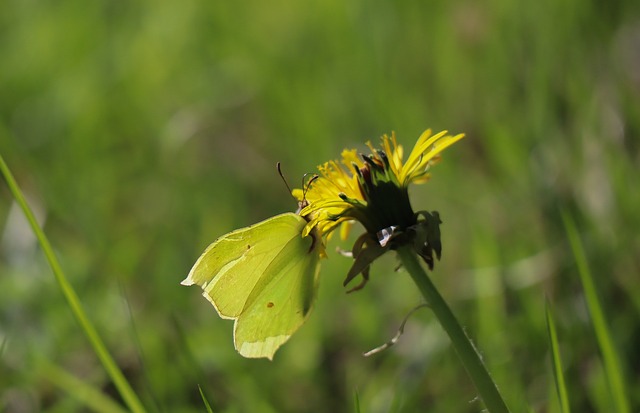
[125, 390]
[91, 397]
[356, 400]
[204, 400]
[613, 371]
[557, 361]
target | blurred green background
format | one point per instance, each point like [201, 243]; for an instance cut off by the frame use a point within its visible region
[141, 131]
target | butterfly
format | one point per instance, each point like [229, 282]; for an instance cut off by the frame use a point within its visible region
[264, 277]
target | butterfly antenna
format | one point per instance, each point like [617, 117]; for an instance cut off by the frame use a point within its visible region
[283, 178]
[306, 184]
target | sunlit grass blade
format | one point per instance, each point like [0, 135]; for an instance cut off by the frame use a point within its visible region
[557, 361]
[204, 400]
[612, 368]
[77, 388]
[125, 390]
[356, 400]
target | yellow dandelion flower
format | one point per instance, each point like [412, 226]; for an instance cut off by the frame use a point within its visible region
[425, 153]
[352, 189]
[325, 197]
[373, 190]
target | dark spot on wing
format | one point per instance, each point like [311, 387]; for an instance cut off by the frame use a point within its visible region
[269, 304]
[248, 247]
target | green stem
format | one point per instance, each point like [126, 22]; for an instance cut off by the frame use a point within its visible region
[69, 293]
[612, 368]
[462, 344]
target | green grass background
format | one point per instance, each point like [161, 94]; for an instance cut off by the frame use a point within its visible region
[141, 131]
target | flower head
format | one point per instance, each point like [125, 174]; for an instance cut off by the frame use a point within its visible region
[373, 190]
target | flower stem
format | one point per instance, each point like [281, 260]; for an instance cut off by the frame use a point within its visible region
[464, 347]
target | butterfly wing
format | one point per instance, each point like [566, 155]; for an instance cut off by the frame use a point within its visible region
[263, 276]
